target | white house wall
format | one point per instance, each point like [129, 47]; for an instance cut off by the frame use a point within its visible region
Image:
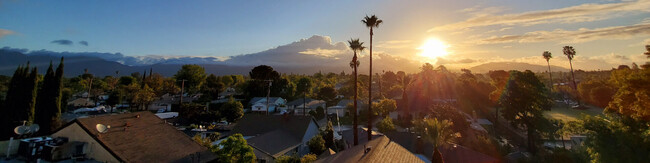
[94, 150]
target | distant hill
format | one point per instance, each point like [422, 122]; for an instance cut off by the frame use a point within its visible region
[483, 68]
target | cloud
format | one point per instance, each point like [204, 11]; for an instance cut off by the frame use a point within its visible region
[395, 44]
[84, 43]
[62, 42]
[4, 32]
[573, 14]
[577, 36]
[322, 52]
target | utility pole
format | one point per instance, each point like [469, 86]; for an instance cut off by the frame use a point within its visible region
[268, 93]
[180, 105]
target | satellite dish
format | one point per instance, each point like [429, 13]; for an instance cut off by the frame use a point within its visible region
[102, 128]
[20, 130]
[34, 128]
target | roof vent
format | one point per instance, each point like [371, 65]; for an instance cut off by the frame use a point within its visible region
[367, 149]
[137, 116]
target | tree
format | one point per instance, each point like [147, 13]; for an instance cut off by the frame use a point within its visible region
[356, 46]
[570, 54]
[327, 94]
[386, 125]
[304, 86]
[48, 106]
[523, 101]
[328, 135]
[384, 107]
[616, 139]
[316, 144]
[20, 101]
[143, 97]
[370, 22]
[547, 55]
[234, 149]
[308, 158]
[212, 87]
[633, 92]
[452, 114]
[288, 159]
[194, 76]
[437, 132]
[232, 110]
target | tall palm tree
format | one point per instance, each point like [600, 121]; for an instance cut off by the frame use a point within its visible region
[570, 53]
[370, 22]
[547, 55]
[356, 46]
[437, 132]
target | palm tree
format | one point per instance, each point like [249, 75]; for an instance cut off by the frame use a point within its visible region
[370, 22]
[437, 132]
[356, 46]
[570, 53]
[547, 55]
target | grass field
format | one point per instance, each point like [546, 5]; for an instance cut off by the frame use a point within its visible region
[568, 114]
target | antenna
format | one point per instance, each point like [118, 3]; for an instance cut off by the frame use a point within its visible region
[102, 128]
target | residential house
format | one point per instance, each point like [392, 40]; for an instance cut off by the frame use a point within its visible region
[339, 108]
[276, 104]
[133, 137]
[308, 105]
[450, 153]
[81, 102]
[272, 136]
[381, 149]
[164, 102]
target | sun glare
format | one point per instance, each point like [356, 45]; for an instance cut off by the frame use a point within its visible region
[433, 48]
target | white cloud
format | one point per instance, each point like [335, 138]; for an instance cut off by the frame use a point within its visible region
[564, 36]
[580, 13]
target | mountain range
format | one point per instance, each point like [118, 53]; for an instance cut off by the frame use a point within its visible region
[306, 56]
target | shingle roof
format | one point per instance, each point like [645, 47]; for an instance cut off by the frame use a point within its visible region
[299, 101]
[382, 149]
[263, 99]
[450, 153]
[255, 125]
[276, 143]
[143, 137]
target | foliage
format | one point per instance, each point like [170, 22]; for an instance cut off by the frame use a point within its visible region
[437, 132]
[308, 158]
[320, 113]
[304, 85]
[317, 144]
[328, 135]
[633, 92]
[327, 94]
[212, 88]
[448, 112]
[617, 139]
[234, 149]
[597, 92]
[384, 107]
[48, 104]
[386, 125]
[143, 97]
[20, 100]
[523, 101]
[232, 110]
[288, 159]
[197, 113]
[194, 76]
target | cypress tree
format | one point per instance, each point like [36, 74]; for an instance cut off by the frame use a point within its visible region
[31, 88]
[8, 112]
[46, 102]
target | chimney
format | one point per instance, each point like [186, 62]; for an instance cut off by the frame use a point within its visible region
[419, 145]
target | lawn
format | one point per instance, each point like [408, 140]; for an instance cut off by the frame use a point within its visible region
[568, 114]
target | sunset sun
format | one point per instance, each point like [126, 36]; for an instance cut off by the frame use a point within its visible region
[433, 48]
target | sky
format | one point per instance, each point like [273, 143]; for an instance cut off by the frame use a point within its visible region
[604, 33]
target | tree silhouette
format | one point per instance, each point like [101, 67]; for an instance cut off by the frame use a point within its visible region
[436, 132]
[547, 55]
[370, 22]
[356, 46]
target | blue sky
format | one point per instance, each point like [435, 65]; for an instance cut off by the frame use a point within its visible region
[227, 28]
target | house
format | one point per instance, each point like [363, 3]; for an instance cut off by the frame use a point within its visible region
[381, 149]
[81, 102]
[230, 91]
[450, 153]
[272, 136]
[164, 102]
[133, 137]
[258, 104]
[308, 105]
[340, 108]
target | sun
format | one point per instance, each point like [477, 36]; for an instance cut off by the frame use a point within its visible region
[433, 48]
